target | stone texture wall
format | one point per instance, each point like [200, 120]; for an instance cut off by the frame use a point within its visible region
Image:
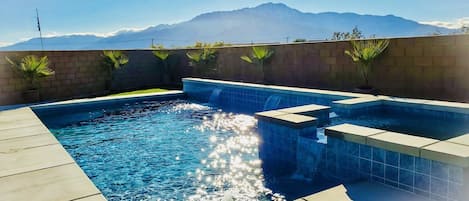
[78, 74]
[424, 67]
[433, 67]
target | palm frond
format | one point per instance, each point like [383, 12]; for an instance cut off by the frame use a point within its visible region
[117, 58]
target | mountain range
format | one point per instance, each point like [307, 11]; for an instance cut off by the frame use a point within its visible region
[269, 22]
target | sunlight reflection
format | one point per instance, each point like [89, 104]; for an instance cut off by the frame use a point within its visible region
[232, 170]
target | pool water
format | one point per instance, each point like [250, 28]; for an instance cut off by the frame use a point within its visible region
[169, 150]
[416, 124]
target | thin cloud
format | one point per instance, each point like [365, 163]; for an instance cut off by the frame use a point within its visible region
[453, 24]
[105, 34]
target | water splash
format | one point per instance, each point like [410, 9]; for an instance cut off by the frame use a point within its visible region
[215, 96]
[272, 102]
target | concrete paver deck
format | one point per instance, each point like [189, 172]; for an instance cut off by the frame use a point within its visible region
[35, 166]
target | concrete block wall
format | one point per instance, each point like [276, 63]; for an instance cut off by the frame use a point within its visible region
[79, 74]
[433, 67]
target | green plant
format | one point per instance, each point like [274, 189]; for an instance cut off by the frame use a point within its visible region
[163, 56]
[364, 52]
[204, 59]
[115, 59]
[299, 40]
[355, 34]
[259, 56]
[32, 68]
[208, 45]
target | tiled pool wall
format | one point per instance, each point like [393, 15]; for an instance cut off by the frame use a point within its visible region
[275, 148]
[348, 161]
[400, 107]
[47, 112]
[251, 99]
[292, 150]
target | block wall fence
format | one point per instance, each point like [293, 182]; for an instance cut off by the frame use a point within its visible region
[433, 67]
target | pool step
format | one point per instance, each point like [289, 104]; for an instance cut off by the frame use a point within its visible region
[362, 191]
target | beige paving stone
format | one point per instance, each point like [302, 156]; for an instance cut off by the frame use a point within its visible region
[295, 120]
[66, 182]
[463, 139]
[16, 161]
[15, 144]
[97, 99]
[361, 100]
[304, 109]
[98, 197]
[448, 106]
[17, 114]
[447, 152]
[398, 142]
[352, 133]
[23, 131]
[338, 193]
[269, 114]
[11, 124]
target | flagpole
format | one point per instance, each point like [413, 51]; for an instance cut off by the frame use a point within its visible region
[39, 29]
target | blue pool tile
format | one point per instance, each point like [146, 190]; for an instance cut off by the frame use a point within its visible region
[378, 169]
[365, 151]
[455, 190]
[425, 194]
[406, 188]
[365, 166]
[379, 154]
[422, 165]
[391, 173]
[406, 162]
[391, 183]
[436, 197]
[406, 177]
[378, 179]
[422, 182]
[438, 187]
[456, 174]
[352, 148]
[440, 170]
[392, 158]
[354, 163]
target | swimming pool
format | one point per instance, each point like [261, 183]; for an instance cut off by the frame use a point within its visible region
[205, 144]
[170, 150]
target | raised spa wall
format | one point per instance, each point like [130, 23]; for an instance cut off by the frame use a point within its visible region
[288, 119]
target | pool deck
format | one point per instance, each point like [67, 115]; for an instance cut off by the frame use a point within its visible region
[35, 165]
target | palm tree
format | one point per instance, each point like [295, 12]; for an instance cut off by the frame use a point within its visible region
[203, 59]
[163, 56]
[113, 60]
[32, 68]
[259, 56]
[364, 52]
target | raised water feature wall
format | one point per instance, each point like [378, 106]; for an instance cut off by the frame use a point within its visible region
[435, 169]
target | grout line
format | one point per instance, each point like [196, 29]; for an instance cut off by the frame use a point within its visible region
[85, 196]
[1, 177]
[14, 138]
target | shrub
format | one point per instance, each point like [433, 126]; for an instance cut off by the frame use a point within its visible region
[364, 52]
[32, 68]
[259, 56]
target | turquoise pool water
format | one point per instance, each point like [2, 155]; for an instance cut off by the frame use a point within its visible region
[169, 150]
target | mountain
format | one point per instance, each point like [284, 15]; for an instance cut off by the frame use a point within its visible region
[270, 22]
[69, 42]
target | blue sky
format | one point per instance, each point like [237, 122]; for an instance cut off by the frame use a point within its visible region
[104, 17]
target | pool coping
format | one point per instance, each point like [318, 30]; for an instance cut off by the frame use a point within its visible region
[453, 151]
[33, 163]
